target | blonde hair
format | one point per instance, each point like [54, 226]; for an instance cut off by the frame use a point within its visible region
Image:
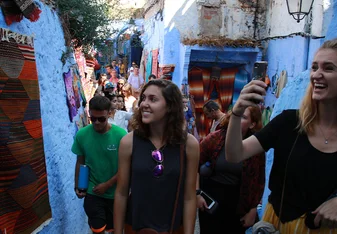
[308, 112]
[128, 88]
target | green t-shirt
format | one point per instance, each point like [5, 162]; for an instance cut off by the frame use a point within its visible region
[101, 155]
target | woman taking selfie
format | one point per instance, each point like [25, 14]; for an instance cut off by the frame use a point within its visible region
[153, 160]
[237, 187]
[303, 178]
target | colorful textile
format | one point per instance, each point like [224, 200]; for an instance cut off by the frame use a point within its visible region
[24, 200]
[203, 88]
[148, 69]
[155, 54]
[166, 71]
[71, 102]
[295, 226]
[14, 10]
[77, 86]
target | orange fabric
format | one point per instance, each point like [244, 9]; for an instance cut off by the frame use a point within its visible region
[98, 230]
[34, 127]
[267, 80]
[28, 71]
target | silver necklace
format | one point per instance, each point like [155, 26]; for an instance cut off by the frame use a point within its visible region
[326, 139]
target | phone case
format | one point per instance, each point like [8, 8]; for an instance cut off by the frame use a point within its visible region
[214, 207]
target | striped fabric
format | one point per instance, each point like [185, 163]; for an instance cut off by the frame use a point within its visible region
[296, 226]
[201, 87]
[24, 200]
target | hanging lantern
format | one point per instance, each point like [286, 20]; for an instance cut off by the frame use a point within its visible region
[298, 9]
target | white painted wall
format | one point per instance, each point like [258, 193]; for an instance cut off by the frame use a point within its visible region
[153, 36]
[182, 14]
[280, 23]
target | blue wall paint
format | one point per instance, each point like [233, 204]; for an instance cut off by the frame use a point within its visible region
[332, 29]
[171, 52]
[58, 131]
[294, 92]
[288, 54]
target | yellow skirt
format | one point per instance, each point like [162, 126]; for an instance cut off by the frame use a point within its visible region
[293, 227]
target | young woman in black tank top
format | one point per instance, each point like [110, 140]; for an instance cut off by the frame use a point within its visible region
[149, 162]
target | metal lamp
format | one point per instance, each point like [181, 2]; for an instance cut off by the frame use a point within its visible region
[298, 9]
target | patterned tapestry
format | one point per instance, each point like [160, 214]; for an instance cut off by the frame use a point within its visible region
[71, 102]
[75, 94]
[24, 201]
[204, 88]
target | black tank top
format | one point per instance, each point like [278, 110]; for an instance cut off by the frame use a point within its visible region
[152, 198]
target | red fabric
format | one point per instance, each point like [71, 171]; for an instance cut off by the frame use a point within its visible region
[253, 170]
[97, 66]
[12, 12]
[155, 54]
[226, 87]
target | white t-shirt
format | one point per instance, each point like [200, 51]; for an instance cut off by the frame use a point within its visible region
[135, 81]
[120, 119]
[129, 102]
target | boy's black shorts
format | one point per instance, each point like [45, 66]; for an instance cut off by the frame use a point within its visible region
[100, 213]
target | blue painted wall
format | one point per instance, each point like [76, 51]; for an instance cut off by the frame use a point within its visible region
[67, 211]
[293, 93]
[171, 51]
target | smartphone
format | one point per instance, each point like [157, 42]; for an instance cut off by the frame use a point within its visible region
[260, 70]
[259, 73]
[209, 201]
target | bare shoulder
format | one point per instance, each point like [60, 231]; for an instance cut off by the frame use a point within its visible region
[127, 139]
[191, 141]
[125, 146]
[192, 146]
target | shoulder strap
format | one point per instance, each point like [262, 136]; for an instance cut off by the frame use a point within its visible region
[182, 148]
[284, 183]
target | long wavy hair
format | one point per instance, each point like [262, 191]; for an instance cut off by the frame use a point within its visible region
[308, 112]
[255, 116]
[174, 127]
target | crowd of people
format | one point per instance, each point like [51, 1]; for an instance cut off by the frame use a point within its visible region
[149, 174]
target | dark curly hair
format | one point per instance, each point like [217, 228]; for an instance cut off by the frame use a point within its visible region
[174, 128]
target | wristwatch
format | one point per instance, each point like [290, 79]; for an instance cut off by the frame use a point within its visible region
[198, 191]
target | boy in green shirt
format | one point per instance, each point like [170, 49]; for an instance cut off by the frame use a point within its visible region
[96, 146]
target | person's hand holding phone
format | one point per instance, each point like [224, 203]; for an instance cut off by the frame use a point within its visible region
[201, 203]
[250, 95]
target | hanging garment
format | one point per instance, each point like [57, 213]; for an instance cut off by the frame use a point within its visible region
[155, 54]
[14, 10]
[282, 81]
[148, 67]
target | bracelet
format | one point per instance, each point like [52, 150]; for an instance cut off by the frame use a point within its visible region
[233, 113]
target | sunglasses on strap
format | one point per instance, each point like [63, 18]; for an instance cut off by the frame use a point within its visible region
[158, 157]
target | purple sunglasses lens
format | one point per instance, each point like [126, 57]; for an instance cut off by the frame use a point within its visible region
[157, 156]
[158, 170]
